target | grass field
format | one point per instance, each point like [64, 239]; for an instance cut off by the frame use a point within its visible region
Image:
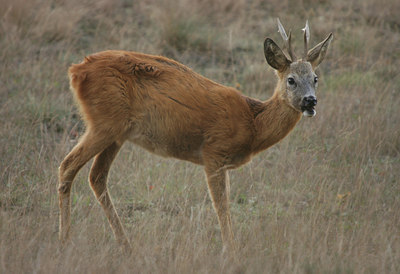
[324, 200]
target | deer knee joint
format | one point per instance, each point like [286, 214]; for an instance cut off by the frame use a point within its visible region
[64, 187]
[96, 178]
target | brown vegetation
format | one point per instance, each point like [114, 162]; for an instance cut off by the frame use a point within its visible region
[325, 199]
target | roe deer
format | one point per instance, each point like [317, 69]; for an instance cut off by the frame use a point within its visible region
[172, 111]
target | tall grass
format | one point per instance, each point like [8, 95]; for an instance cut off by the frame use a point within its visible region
[324, 200]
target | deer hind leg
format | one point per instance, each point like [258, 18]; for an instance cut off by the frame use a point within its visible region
[218, 186]
[90, 145]
[98, 182]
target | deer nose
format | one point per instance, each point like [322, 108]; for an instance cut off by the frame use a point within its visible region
[310, 101]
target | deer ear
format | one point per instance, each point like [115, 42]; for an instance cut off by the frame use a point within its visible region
[275, 56]
[317, 53]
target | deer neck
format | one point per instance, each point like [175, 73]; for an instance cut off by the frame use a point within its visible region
[276, 120]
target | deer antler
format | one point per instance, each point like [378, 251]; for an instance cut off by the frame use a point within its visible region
[306, 40]
[287, 40]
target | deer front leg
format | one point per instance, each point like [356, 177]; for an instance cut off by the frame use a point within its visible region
[218, 186]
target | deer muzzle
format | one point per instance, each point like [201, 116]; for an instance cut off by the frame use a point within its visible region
[308, 104]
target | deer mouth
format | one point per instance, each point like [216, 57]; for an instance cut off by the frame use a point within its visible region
[308, 111]
[308, 104]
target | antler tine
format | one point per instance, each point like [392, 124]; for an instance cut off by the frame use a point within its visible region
[281, 30]
[306, 39]
[290, 49]
[287, 39]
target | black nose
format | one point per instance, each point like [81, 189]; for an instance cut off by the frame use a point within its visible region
[310, 101]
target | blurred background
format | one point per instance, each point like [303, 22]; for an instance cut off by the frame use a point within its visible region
[324, 200]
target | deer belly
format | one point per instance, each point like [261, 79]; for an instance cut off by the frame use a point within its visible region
[180, 146]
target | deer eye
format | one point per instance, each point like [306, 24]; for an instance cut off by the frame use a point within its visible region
[315, 79]
[291, 81]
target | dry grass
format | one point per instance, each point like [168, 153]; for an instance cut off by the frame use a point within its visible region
[324, 200]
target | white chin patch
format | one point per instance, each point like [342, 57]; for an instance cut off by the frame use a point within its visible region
[309, 113]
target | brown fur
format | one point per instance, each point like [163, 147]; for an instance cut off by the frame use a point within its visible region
[172, 111]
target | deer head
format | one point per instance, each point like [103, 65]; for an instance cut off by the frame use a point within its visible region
[297, 79]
